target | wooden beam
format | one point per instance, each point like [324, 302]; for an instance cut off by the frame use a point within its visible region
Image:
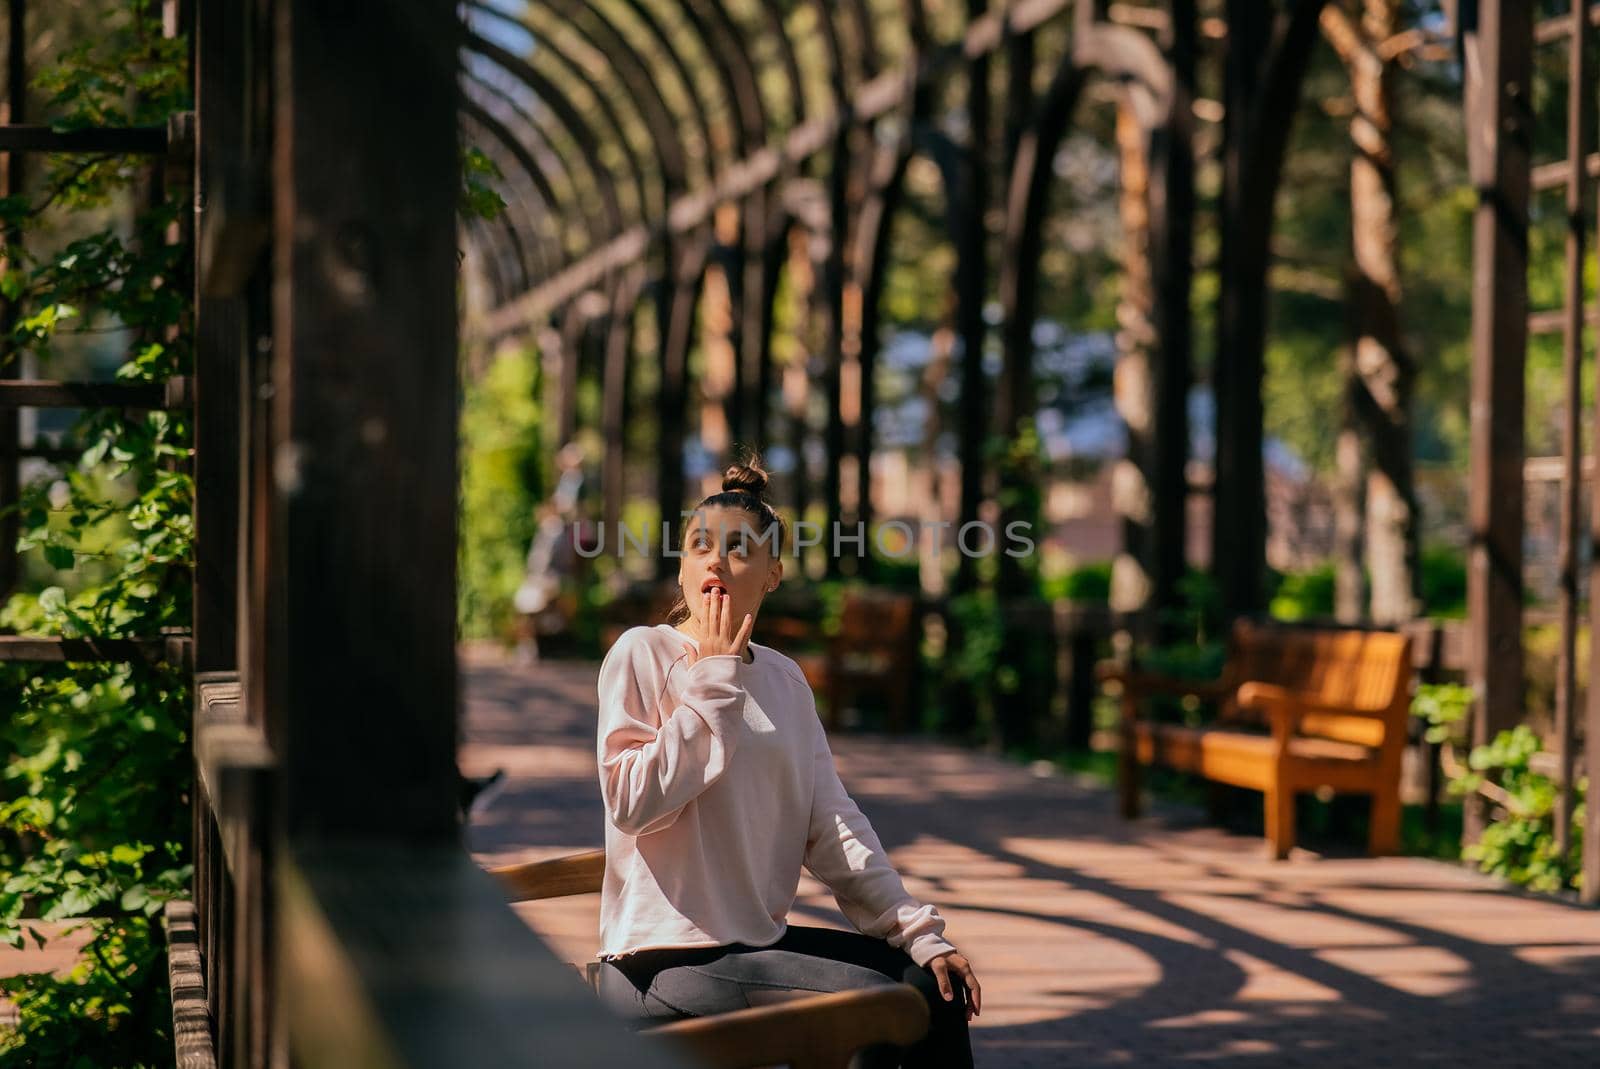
[405, 954]
[44, 393]
[107, 140]
[51, 649]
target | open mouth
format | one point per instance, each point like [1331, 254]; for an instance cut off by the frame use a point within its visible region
[713, 584]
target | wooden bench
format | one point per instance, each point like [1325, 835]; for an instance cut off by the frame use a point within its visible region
[875, 650]
[800, 1028]
[1298, 710]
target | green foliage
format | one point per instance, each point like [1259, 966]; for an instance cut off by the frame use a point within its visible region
[1090, 583]
[1444, 707]
[1444, 581]
[479, 198]
[901, 572]
[100, 1013]
[1519, 844]
[502, 483]
[972, 663]
[1305, 595]
[94, 793]
[1199, 610]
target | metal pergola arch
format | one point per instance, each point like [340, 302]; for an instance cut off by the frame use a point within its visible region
[866, 158]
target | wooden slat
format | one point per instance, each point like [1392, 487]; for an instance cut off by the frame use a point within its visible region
[402, 947]
[193, 1036]
[44, 393]
[1554, 320]
[1554, 175]
[819, 1032]
[575, 874]
[1548, 31]
[127, 140]
[46, 648]
[1240, 760]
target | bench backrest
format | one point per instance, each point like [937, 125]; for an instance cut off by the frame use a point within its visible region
[877, 619]
[1365, 675]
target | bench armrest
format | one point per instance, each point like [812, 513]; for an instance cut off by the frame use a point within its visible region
[814, 1032]
[557, 877]
[1282, 706]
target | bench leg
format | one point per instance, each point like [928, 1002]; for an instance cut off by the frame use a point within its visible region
[1128, 773]
[1280, 820]
[1217, 798]
[1383, 834]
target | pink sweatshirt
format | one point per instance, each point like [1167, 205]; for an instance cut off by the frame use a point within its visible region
[718, 786]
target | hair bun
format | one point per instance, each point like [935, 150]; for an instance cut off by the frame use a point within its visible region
[749, 477]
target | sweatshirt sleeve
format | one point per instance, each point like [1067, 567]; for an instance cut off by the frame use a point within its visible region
[843, 851]
[654, 761]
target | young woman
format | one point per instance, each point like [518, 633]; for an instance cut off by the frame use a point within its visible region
[718, 786]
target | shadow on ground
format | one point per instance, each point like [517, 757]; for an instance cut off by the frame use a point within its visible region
[1100, 942]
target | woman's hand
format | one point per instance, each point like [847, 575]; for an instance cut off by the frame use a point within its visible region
[719, 638]
[954, 963]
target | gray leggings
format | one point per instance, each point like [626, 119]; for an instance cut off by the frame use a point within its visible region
[673, 983]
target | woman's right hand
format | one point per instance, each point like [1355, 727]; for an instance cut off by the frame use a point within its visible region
[720, 638]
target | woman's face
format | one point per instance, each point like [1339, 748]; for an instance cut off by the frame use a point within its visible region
[723, 551]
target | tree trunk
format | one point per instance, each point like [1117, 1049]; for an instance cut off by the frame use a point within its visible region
[1383, 374]
[1350, 587]
[1266, 64]
[1132, 380]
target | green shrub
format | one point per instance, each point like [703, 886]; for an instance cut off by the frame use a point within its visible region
[94, 795]
[1444, 581]
[1444, 707]
[1519, 843]
[1305, 595]
[1089, 583]
[501, 485]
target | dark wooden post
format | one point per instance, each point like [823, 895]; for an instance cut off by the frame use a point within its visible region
[1580, 142]
[831, 310]
[11, 185]
[614, 403]
[362, 623]
[675, 323]
[220, 342]
[1172, 273]
[1499, 46]
[972, 246]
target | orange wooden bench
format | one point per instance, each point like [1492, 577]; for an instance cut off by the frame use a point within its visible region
[799, 1029]
[875, 650]
[1299, 710]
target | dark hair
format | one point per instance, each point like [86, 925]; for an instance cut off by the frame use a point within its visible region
[742, 488]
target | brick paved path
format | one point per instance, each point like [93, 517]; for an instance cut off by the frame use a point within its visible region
[1104, 943]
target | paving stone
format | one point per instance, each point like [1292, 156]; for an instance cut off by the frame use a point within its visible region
[1101, 942]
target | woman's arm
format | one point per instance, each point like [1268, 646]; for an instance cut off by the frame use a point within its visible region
[843, 852]
[650, 767]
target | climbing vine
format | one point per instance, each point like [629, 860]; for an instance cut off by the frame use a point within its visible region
[94, 793]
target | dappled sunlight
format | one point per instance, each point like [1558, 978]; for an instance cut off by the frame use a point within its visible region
[1104, 942]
